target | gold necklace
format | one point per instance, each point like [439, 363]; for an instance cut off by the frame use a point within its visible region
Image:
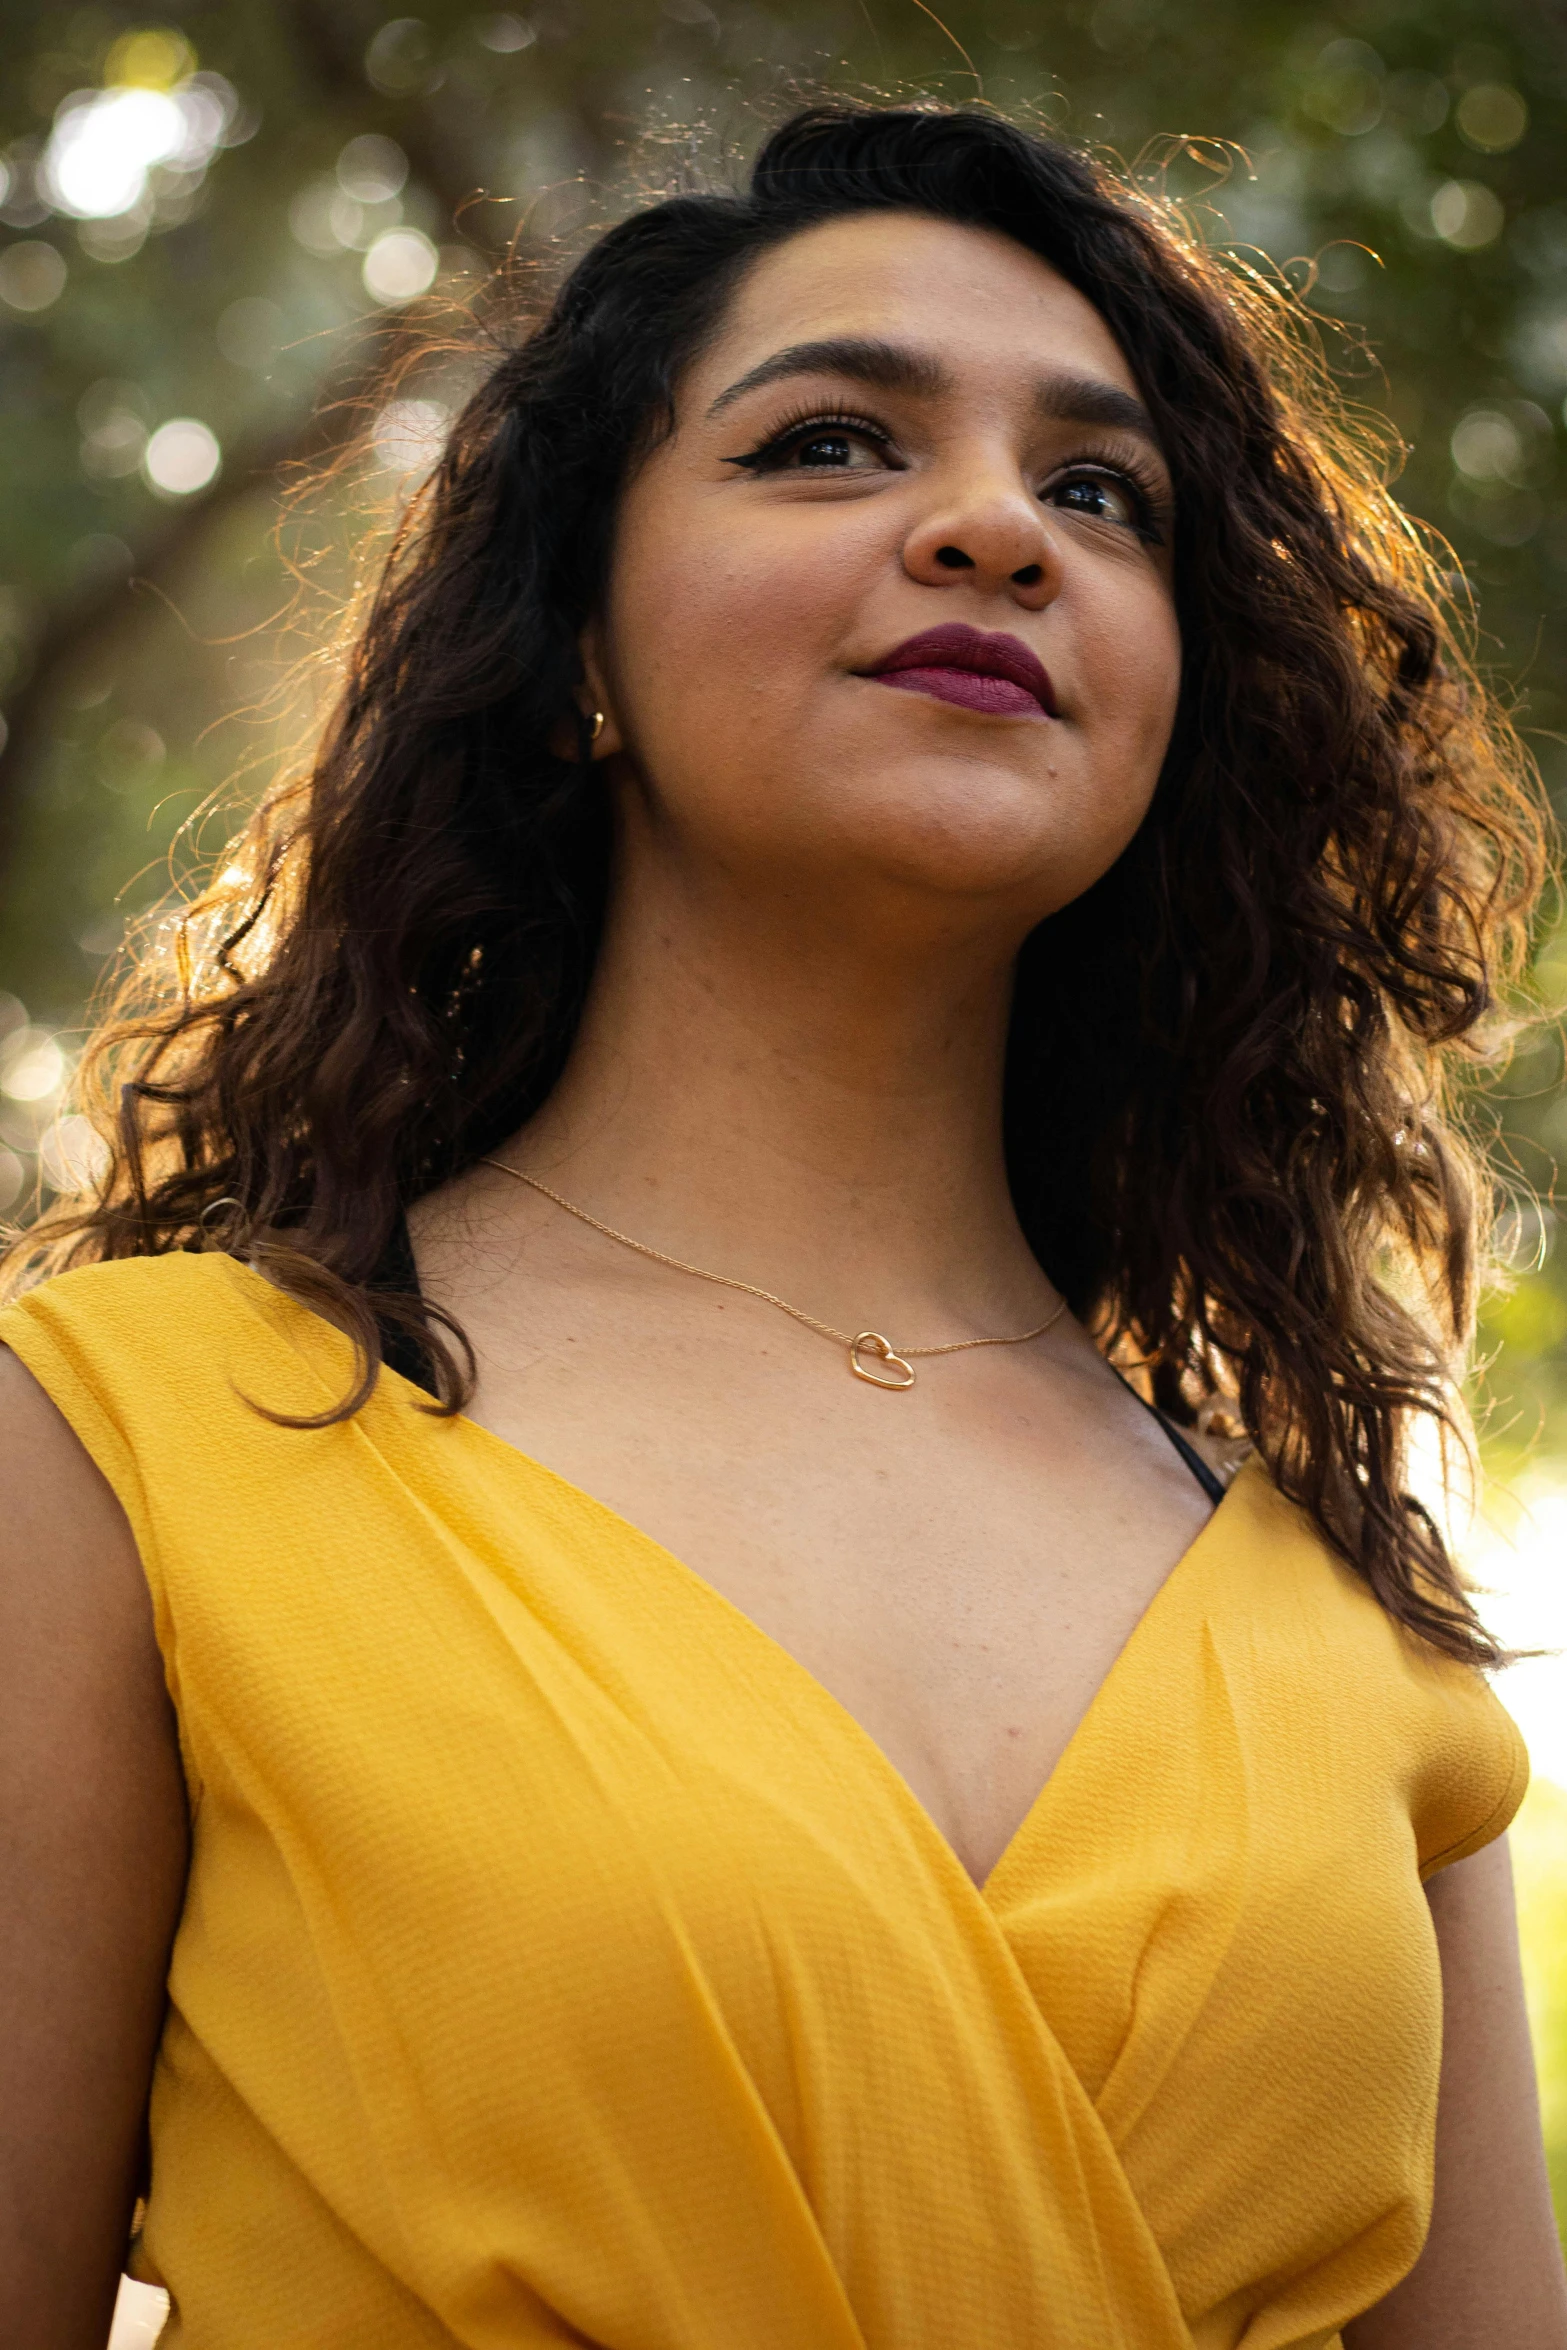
[867, 1348]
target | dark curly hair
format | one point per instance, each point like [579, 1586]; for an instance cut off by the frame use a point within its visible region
[1238, 1156]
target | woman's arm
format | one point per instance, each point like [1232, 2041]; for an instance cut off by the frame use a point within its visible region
[1491, 2272]
[92, 1867]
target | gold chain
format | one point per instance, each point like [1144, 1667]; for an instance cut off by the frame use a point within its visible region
[866, 1347]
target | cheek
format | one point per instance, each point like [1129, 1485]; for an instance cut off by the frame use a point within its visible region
[714, 643]
[1130, 682]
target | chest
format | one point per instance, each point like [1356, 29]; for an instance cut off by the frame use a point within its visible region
[958, 1565]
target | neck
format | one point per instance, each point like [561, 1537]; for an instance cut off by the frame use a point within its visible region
[799, 1104]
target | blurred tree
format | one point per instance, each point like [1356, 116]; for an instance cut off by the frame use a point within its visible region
[221, 221]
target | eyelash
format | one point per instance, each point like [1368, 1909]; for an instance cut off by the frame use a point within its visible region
[769, 454]
[1147, 491]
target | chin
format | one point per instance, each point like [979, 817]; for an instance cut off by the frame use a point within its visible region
[984, 831]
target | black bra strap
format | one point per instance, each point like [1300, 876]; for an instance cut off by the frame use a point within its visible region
[1208, 1478]
[400, 1350]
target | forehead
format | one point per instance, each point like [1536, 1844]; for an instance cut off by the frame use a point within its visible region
[972, 294]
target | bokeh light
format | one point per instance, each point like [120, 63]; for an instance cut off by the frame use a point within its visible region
[1416, 102]
[505, 35]
[1488, 446]
[400, 266]
[105, 144]
[400, 61]
[408, 435]
[32, 275]
[372, 168]
[113, 418]
[32, 1066]
[1493, 117]
[154, 58]
[1346, 91]
[323, 219]
[72, 1154]
[181, 457]
[130, 753]
[103, 147]
[1467, 214]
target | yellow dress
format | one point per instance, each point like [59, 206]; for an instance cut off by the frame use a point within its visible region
[562, 1964]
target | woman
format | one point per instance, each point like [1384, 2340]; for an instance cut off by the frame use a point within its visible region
[904, 821]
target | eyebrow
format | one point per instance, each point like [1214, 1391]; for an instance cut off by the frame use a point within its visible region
[890, 367]
[896, 367]
[1087, 399]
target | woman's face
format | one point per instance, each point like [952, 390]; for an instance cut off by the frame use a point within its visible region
[902, 426]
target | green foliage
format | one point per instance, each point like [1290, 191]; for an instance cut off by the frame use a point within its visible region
[1530, 1320]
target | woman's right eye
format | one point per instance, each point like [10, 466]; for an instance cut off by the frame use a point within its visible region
[834, 450]
[819, 446]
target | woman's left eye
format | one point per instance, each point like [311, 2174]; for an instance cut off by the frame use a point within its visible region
[1104, 497]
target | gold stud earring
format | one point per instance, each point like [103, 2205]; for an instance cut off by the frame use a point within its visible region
[597, 727]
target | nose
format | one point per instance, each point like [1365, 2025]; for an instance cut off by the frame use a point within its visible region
[993, 531]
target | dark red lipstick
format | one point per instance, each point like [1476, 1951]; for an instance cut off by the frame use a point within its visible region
[978, 670]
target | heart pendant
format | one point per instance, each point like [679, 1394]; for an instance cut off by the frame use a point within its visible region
[872, 1343]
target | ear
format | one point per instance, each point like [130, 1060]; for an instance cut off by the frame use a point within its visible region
[592, 698]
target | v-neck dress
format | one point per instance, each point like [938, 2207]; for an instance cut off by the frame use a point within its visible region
[561, 1963]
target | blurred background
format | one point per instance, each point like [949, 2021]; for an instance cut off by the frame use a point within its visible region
[220, 226]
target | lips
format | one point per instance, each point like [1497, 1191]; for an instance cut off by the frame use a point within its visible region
[992, 673]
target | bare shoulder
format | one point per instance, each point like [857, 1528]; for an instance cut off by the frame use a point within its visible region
[75, 1611]
[48, 1471]
[93, 1838]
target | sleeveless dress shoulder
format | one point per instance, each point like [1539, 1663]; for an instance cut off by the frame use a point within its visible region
[561, 1963]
